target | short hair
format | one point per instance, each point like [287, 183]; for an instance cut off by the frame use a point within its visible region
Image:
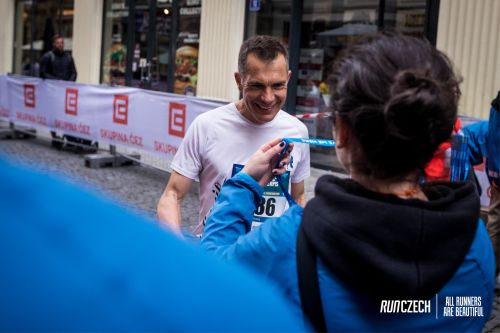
[399, 96]
[55, 37]
[265, 48]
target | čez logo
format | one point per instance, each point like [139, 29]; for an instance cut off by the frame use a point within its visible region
[120, 109]
[71, 105]
[177, 119]
[29, 95]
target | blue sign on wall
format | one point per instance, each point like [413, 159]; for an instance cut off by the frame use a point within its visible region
[254, 5]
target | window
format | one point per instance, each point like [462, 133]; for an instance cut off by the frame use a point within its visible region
[37, 21]
[152, 44]
[114, 42]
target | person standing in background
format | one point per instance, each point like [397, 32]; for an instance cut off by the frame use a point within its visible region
[58, 64]
[484, 142]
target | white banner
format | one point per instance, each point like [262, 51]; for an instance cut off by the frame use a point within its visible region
[152, 121]
[27, 104]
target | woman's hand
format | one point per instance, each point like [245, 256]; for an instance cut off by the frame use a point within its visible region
[262, 165]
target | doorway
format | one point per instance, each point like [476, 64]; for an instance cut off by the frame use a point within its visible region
[151, 44]
[136, 43]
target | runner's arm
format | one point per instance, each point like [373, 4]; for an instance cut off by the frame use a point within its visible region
[298, 193]
[169, 206]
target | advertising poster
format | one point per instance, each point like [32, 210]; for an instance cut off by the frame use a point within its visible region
[186, 55]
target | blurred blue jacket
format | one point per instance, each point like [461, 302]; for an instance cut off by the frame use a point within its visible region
[461, 246]
[484, 141]
[71, 261]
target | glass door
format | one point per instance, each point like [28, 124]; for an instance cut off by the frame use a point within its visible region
[136, 43]
[150, 56]
[36, 22]
[151, 44]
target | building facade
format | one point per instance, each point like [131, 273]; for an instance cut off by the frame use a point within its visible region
[191, 46]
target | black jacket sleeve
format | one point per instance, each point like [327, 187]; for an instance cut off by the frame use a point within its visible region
[72, 69]
[46, 67]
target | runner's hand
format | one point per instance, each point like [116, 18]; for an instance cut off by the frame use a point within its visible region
[261, 165]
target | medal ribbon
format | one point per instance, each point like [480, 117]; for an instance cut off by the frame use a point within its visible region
[287, 141]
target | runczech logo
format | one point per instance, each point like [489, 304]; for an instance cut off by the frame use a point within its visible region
[29, 95]
[120, 109]
[71, 105]
[177, 119]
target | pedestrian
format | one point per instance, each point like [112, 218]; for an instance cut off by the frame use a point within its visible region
[484, 142]
[218, 142]
[378, 251]
[104, 269]
[58, 64]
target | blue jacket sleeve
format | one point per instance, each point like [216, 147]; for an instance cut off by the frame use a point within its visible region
[477, 135]
[232, 213]
[227, 229]
[493, 162]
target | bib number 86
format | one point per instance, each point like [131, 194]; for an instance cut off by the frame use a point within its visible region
[267, 207]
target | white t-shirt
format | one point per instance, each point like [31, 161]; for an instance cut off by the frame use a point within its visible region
[220, 139]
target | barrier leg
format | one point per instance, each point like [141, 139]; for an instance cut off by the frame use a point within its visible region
[111, 159]
[17, 132]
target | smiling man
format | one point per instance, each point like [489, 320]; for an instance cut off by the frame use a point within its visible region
[220, 141]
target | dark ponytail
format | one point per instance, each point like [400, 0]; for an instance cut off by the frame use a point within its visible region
[399, 96]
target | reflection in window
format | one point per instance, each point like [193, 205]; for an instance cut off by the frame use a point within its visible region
[406, 16]
[114, 42]
[272, 18]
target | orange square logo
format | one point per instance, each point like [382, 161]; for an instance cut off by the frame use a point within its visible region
[71, 105]
[120, 109]
[29, 95]
[177, 119]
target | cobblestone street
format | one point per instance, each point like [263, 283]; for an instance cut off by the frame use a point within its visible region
[136, 187]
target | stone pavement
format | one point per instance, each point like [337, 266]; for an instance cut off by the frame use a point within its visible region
[136, 188]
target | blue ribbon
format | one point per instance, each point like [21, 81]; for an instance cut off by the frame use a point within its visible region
[310, 141]
[459, 164]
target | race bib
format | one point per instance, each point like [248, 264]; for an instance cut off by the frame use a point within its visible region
[273, 202]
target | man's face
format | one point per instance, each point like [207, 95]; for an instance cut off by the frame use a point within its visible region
[264, 87]
[58, 44]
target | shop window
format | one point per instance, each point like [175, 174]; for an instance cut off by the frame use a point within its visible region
[114, 38]
[160, 49]
[406, 16]
[271, 17]
[186, 54]
[36, 22]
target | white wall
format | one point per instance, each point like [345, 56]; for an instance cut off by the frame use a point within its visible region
[469, 33]
[87, 34]
[6, 35]
[222, 24]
